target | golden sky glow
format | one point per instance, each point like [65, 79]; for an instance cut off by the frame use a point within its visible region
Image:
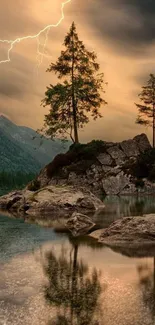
[119, 31]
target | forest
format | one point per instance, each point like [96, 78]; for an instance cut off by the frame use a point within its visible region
[10, 180]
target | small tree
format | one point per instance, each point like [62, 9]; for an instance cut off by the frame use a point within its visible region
[146, 114]
[78, 95]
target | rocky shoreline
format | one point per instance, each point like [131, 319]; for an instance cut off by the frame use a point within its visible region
[129, 236]
[70, 188]
[58, 201]
[130, 231]
[73, 210]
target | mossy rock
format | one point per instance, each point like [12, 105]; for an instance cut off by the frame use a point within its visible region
[78, 159]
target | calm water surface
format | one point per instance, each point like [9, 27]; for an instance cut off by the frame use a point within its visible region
[53, 279]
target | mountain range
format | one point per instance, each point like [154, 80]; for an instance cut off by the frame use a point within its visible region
[23, 149]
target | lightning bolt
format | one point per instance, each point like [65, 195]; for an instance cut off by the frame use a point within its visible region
[40, 54]
[46, 30]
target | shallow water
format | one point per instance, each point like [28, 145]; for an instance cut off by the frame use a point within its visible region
[54, 279]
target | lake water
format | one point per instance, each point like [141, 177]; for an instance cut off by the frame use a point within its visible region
[48, 278]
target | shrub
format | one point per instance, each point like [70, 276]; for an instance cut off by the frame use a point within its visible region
[34, 185]
[88, 150]
[139, 183]
[58, 162]
[145, 165]
[151, 176]
[78, 158]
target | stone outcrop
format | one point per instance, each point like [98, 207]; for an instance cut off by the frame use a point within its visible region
[142, 142]
[130, 148]
[105, 159]
[79, 224]
[102, 172]
[8, 200]
[130, 231]
[117, 155]
[59, 201]
[118, 184]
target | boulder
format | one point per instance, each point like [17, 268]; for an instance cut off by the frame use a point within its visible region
[63, 201]
[59, 201]
[114, 185]
[130, 231]
[79, 224]
[117, 154]
[8, 200]
[142, 142]
[105, 159]
[106, 169]
[114, 171]
[130, 148]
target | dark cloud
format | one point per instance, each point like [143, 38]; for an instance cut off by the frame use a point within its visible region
[16, 82]
[120, 32]
[9, 89]
[128, 25]
[146, 7]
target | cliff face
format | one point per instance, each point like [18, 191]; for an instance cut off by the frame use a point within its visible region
[101, 167]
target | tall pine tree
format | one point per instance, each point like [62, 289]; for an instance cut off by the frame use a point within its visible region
[146, 115]
[78, 96]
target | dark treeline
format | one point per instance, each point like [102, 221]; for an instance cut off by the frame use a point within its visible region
[12, 180]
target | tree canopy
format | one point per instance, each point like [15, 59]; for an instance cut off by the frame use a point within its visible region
[146, 110]
[78, 96]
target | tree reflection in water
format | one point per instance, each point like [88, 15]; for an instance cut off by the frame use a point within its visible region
[72, 289]
[147, 286]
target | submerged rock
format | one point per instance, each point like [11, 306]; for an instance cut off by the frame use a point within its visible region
[130, 231]
[79, 224]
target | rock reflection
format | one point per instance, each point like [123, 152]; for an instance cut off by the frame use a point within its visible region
[129, 205]
[73, 289]
[147, 286]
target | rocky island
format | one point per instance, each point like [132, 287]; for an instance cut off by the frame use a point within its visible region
[105, 168]
[73, 184]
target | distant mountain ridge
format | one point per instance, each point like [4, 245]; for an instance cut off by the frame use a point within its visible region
[23, 149]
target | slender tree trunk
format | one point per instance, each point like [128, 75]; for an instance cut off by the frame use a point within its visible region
[76, 138]
[153, 86]
[153, 126]
[153, 286]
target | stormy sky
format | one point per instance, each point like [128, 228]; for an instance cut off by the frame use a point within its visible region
[121, 32]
